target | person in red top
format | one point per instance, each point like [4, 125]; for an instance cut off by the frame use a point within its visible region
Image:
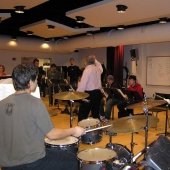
[134, 94]
[134, 86]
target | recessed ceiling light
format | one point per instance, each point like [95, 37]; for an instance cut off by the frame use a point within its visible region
[29, 33]
[121, 27]
[51, 27]
[65, 38]
[79, 19]
[89, 33]
[121, 8]
[19, 9]
[163, 20]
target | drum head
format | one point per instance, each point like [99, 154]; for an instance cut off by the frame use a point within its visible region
[89, 122]
[96, 155]
[63, 141]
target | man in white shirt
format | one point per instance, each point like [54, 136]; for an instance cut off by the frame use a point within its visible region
[90, 83]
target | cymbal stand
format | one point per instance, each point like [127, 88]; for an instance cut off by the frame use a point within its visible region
[166, 121]
[132, 144]
[71, 115]
[59, 89]
[146, 111]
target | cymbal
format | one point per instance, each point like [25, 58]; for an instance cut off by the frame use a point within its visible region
[150, 104]
[71, 95]
[132, 124]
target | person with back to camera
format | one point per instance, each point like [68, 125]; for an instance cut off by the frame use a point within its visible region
[134, 94]
[90, 83]
[24, 124]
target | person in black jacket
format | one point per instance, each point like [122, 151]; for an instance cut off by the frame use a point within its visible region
[112, 96]
[74, 73]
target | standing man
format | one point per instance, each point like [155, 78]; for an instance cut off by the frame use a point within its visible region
[90, 83]
[54, 78]
[24, 124]
[73, 73]
[41, 78]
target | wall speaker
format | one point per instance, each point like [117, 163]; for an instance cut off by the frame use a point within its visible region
[133, 54]
[158, 155]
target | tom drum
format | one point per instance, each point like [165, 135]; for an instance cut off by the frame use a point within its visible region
[93, 136]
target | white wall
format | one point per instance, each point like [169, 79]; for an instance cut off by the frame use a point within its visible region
[6, 57]
[144, 50]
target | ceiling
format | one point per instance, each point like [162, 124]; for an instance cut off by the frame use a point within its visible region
[100, 16]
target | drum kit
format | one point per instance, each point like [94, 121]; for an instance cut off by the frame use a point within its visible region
[113, 156]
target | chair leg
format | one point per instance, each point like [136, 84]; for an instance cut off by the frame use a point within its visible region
[112, 113]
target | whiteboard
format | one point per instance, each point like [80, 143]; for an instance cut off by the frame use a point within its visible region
[158, 71]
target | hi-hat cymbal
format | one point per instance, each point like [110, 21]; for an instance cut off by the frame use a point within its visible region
[132, 124]
[71, 95]
[150, 104]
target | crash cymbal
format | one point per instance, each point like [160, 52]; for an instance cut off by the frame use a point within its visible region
[132, 124]
[150, 104]
[71, 95]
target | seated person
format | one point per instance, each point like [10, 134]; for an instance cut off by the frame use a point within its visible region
[112, 96]
[24, 118]
[134, 94]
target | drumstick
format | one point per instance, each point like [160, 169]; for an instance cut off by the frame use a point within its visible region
[102, 127]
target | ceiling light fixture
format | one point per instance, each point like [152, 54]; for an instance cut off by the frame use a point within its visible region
[121, 27]
[51, 27]
[163, 20]
[19, 9]
[29, 33]
[65, 38]
[121, 8]
[79, 19]
[89, 33]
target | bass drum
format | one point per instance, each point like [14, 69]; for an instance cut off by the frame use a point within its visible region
[69, 144]
[124, 155]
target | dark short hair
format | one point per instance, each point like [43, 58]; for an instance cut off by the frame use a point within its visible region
[22, 74]
[53, 65]
[110, 77]
[132, 77]
[35, 60]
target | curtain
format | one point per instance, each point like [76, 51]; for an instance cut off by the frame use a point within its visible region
[115, 57]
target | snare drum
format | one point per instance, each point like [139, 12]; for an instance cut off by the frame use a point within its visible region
[124, 155]
[96, 159]
[69, 144]
[94, 136]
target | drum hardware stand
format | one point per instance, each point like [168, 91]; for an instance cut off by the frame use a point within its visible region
[132, 144]
[146, 112]
[110, 139]
[166, 133]
[71, 116]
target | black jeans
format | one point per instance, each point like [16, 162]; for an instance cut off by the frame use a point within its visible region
[54, 160]
[93, 105]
